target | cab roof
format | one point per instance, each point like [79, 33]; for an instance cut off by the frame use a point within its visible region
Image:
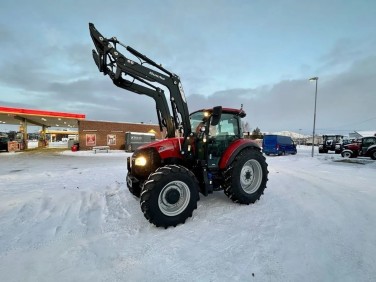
[239, 112]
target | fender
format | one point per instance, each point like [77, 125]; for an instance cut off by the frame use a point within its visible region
[233, 150]
[370, 148]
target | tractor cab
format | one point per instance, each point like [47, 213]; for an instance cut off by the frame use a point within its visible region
[367, 144]
[331, 143]
[215, 129]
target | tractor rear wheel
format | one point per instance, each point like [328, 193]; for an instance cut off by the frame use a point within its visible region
[169, 196]
[373, 155]
[246, 177]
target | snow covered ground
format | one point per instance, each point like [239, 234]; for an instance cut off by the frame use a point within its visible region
[69, 217]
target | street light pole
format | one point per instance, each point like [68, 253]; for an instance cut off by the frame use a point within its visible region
[314, 115]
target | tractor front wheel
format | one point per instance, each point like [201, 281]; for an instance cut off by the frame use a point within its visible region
[246, 177]
[346, 154]
[169, 196]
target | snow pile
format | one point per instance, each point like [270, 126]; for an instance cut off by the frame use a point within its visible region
[70, 217]
[366, 133]
[291, 134]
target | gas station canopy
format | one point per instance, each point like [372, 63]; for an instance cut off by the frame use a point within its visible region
[18, 116]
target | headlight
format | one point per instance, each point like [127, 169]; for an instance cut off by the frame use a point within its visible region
[140, 161]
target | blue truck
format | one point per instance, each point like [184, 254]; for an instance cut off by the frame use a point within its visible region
[278, 145]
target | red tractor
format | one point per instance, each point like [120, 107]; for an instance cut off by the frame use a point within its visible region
[364, 147]
[203, 151]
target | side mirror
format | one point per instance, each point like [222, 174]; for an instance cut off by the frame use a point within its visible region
[216, 115]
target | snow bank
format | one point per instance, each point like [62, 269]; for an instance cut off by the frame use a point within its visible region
[70, 217]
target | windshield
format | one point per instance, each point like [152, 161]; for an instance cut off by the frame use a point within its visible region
[196, 120]
[227, 126]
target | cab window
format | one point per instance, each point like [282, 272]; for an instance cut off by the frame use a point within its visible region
[228, 125]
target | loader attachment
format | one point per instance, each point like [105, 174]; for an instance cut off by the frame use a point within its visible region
[136, 77]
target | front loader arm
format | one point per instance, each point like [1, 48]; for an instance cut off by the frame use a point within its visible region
[142, 79]
[164, 119]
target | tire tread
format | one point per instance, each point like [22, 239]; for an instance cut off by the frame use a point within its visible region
[228, 182]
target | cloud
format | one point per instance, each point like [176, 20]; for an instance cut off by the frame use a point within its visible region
[226, 54]
[342, 101]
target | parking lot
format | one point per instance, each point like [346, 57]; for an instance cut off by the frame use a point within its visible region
[68, 216]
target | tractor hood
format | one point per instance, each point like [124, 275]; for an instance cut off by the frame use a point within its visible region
[352, 146]
[167, 148]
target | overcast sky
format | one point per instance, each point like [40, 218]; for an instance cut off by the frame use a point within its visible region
[256, 53]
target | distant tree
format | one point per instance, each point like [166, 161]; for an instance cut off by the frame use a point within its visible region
[245, 126]
[256, 134]
[256, 131]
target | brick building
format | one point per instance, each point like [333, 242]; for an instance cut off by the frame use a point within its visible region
[100, 133]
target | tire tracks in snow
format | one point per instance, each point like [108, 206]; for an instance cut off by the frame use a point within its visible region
[65, 217]
[332, 209]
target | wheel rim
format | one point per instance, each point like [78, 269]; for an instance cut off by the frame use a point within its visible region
[251, 176]
[174, 198]
[346, 155]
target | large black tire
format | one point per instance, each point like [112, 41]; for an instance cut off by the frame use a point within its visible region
[373, 154]
[169, 196]
[346, 154]
[246, 177]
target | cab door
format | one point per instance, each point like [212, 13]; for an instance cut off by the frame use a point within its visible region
[366, 143]
[221, 136]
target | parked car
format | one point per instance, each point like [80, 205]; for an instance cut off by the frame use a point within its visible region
[364, 147]
[4, 143]
[278, 145]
